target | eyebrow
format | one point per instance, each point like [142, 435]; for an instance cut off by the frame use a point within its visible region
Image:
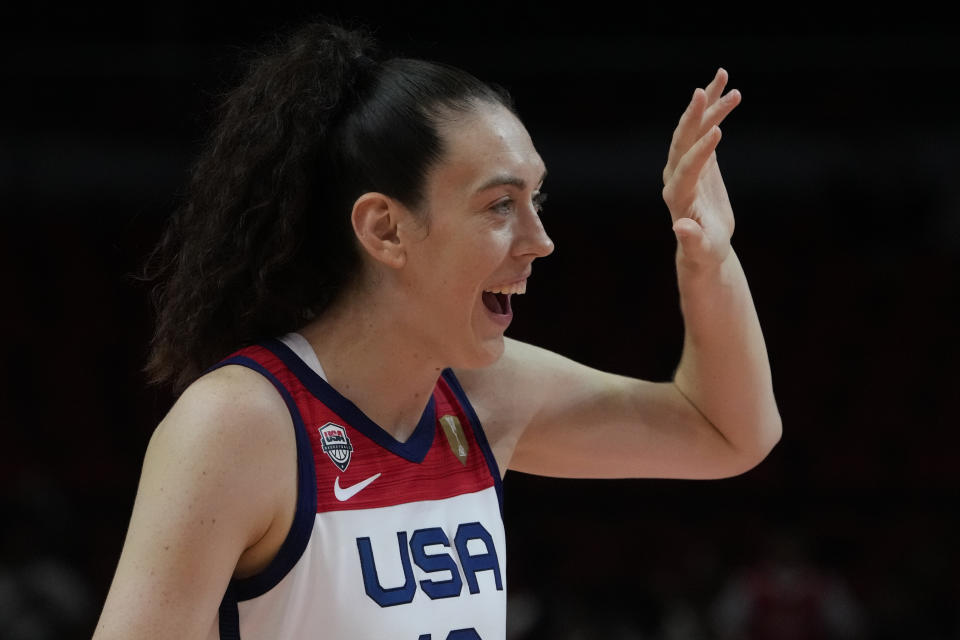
[508, 179]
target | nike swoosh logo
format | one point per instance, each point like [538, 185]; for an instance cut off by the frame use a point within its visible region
[345, 493]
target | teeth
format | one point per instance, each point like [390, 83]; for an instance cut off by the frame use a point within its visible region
[516, 288]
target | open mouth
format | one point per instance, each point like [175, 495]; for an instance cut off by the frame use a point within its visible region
[497, 300]
[498, 303]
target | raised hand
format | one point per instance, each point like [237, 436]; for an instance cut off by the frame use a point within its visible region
[693, 187]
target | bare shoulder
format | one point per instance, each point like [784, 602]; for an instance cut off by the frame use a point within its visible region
[538, 407]
[232, 403]
[231, 422]
[508, 394]
[216, 484]
[522, 377]
[231, 432]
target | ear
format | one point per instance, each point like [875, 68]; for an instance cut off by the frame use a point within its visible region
[376, 220]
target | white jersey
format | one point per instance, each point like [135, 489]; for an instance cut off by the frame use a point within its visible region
[391, 540]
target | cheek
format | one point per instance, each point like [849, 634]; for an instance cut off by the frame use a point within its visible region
[469, 261]
[461, 261]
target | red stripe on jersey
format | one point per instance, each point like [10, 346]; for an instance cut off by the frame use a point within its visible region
[439, 475]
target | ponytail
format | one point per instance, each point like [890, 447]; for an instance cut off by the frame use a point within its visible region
[262, 242]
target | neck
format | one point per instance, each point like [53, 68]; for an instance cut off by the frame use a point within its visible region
[369, 360]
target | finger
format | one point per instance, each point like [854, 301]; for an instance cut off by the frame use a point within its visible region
[687, 131]
[719, 110]
[687, 172]
[715, 89]
[690, 119]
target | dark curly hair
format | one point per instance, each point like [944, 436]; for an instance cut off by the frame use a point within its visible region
[262, 242]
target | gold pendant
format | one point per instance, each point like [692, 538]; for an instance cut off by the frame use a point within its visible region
[456, 437]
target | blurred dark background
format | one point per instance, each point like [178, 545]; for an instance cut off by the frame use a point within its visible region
[841, 163]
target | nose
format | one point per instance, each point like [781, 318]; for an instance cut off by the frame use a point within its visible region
[532, 239]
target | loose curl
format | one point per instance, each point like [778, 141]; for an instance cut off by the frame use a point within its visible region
[262, 242]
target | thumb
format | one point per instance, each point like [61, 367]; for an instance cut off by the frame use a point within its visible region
[690, 235]
[694, 243]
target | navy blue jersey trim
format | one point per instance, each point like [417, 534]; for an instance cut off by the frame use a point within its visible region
[477, 433]
[296, 541]
[414, 449]
[229, 616]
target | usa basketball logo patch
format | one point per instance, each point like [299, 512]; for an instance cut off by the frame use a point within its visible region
[336, 444]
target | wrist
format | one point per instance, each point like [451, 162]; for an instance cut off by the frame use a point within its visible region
[705, 269]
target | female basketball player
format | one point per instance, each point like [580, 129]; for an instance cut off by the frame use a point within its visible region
[333, 301]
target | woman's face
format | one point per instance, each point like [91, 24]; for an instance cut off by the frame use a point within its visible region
[482, 233]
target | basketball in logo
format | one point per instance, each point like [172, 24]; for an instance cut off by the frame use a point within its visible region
[336, 444]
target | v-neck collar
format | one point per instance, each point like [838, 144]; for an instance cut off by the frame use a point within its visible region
[416, 446]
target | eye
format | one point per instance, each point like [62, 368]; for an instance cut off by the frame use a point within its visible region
[504, 206]
[538, 199]
[507, 205]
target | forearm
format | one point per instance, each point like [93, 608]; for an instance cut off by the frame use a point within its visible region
[724, 370]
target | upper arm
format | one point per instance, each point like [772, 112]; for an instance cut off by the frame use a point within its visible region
[548, 415]
[212, 485]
